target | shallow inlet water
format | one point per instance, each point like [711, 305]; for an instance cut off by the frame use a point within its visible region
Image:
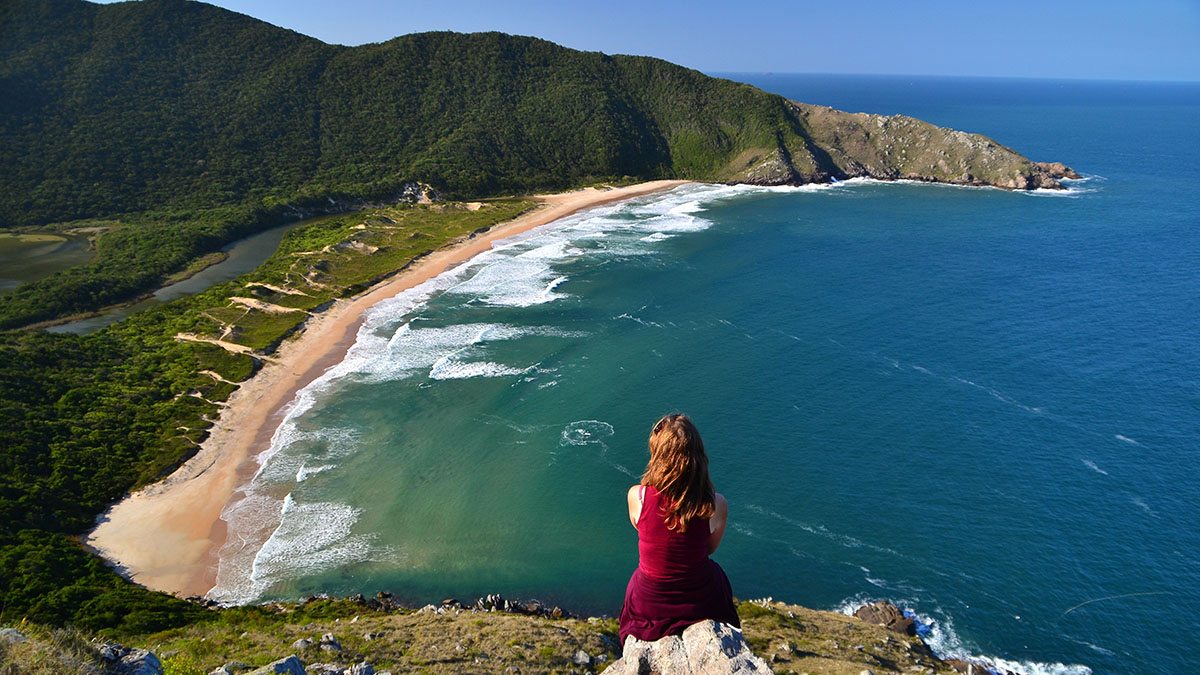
[242, 256]
[25, 258]
[982, 405]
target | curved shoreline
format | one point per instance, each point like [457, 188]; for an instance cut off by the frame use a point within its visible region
[167, 535]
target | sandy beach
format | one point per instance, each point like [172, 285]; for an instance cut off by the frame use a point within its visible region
[167, 535]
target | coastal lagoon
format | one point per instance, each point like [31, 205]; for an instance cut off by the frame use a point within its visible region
[29, 257]
[241, 256]
[982, 405]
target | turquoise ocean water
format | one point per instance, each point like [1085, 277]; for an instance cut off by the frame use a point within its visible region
[979, 404]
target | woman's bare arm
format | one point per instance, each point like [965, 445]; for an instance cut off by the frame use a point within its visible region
[716, 524]
[634, 500]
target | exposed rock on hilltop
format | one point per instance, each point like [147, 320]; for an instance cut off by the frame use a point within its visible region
[705, 648]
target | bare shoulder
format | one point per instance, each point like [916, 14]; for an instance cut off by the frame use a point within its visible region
[720, 503]
[632, 494]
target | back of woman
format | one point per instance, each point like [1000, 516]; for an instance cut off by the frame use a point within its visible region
[680, 521]
[662, 553]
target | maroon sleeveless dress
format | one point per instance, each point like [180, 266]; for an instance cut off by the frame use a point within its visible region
[675, 584]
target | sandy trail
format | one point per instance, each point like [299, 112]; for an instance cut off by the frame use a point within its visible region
[167, 535]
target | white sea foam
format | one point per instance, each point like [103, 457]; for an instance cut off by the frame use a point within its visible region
[586, 432]
[305, 471]
[1126, 439]
[877, 582]
[512, 276]
[1071, 191]
[448, 369]
[1092, 465]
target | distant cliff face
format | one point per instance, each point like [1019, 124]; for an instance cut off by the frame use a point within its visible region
[108, 109]
[832, 144]
[900, 147]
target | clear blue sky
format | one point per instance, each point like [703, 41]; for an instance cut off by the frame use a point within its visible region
[1095, 39]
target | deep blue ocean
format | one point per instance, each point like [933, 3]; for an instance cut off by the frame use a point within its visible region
[981, 405]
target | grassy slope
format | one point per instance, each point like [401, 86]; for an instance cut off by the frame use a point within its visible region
[792, 639]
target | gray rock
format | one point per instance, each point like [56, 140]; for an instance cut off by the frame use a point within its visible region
[139, 662]
[325, 669]
[582, 658]
[11, 636]
[330, 644]
[302, 644]
[220, 670]
[705, 648]
[363, 668]
[111, 651]
[288, 666]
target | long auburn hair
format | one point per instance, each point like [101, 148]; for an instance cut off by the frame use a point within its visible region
[678, 469]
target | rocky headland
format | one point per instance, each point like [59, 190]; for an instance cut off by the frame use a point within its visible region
[839, 145]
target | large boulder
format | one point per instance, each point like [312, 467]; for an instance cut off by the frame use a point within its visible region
[705, 648]
[11, 636]
[288, 666]
[889, 616]
[139, 662]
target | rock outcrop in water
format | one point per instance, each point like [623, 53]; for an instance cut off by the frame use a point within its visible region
[887, 615]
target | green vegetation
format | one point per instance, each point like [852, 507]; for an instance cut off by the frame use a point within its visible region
[83, 419]
[170, 104]
[792, 639]
[135, 255]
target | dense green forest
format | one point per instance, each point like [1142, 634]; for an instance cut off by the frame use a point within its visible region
[111, 109]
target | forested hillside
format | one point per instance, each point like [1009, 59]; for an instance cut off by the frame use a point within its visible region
[108, 109]
[116, 108]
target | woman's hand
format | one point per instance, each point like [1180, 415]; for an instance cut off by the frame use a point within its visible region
[716, 524]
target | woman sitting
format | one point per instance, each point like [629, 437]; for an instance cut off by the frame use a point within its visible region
[680, 520]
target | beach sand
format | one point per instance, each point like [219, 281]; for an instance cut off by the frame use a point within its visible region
[167, 535]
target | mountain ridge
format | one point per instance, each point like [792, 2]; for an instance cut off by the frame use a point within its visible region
[172, 103]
